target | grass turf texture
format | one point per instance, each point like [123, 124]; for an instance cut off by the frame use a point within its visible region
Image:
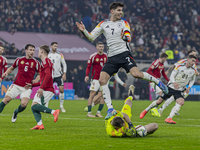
[76, 131]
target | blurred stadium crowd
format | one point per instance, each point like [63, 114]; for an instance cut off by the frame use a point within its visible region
[156, 25]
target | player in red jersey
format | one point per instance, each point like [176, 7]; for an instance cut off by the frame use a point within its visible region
[96, 61]
[46, 90]
[3, 64]
[27, 66]
[156, 69]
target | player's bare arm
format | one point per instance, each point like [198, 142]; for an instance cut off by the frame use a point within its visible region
[86, 79]
[37, 79]
[170, 69]
[5, 74]
[28, 86]
[64, 76]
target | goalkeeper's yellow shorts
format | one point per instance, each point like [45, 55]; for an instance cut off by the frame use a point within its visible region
[127, 110]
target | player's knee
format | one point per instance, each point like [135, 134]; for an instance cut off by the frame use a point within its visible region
[137, 74]
[6, 99]
[24, 104]
[102, 82]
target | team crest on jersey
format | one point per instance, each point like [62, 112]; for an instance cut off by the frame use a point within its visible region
[97, 59]
[119, 25]
[31, 64]
[22, 62]
[105, 60]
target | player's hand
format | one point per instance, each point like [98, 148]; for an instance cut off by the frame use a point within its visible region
[34, 81]
[4, 75]
[187, 90]
[86, 78]
[176, 85]
[64, 77]
[122, 34]
[124, 85]
[80, 26]
[28, 86]
[131, 132]
[40, 92]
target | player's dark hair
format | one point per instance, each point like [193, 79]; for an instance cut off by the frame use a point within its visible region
[163, 55]
[53, 43]
[192, 56]
[115, 5]
[45, 48]
[118, 122]
[27, 45]
[190, 51]
[1, 46]
[99, 43]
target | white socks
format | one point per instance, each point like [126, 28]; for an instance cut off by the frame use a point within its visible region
[174, 110]
[52, 112]
[106, 96]
[61, 97]
[39, 123]
[167, 103]
[152, 105]
[149, 77]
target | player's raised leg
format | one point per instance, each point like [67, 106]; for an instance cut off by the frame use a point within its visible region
[145, 76]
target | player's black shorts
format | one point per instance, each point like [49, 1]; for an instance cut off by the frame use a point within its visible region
[59, 81]
[124, 60]
[177, 94]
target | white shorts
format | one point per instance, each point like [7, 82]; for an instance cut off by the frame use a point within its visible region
[94, 85]
[15, 90]
[157, 90]
[47, 95]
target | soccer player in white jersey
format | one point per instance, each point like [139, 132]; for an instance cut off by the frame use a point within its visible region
[186, 92]
[117, 33]
[59, 74]
[180, 77]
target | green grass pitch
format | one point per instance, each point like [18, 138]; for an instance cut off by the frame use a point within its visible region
[75, 131]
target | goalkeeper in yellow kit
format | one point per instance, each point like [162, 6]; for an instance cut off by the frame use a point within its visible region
[120, 125]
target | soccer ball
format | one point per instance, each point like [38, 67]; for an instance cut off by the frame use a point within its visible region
[141, 130]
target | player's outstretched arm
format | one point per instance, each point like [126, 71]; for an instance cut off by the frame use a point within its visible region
[4, 75]
[80, 26]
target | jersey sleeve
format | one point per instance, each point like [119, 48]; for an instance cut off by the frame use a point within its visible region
[152, 67]
[95, 32]
[127, 32]
[89, 65]
[164, 75]
[63, 63]
[15, 64]
[174, 73]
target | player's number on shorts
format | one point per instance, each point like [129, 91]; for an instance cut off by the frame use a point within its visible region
[26, 68]
[112, 31]
[128, 58]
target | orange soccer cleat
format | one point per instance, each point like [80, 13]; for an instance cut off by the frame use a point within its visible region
[38, 127]
[143, 114]
[169, 120]
[56, 114]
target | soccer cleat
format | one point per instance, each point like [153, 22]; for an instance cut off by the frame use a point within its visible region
[163, 87]
[154, 112]
[38, 127]
[111, 112]
[56, 114]
[169, 120]
[14, 117]
[86, 109]
[143, 114]
[98, 114]
[62, 109]
[89, 114]
[131, 90]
